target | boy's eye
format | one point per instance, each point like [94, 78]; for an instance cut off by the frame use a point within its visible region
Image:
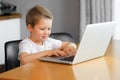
[42, 29]
[49, 28]
[45, 29]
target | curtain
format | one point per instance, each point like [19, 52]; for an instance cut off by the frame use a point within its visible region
[94, 11]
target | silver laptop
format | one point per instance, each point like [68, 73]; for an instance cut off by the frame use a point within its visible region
[93, 44]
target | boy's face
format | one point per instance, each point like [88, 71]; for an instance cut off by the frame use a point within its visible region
[41, 30]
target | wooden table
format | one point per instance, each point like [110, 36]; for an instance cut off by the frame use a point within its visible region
[104, 68]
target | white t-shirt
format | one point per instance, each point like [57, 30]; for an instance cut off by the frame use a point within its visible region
[29, 46]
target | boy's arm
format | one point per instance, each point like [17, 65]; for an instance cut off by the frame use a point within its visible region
[26, 57]
[67, 44]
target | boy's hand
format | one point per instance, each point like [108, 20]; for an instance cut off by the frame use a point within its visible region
[56, 52]
[70, 49]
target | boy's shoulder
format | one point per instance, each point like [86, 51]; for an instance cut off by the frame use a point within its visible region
[26, 40]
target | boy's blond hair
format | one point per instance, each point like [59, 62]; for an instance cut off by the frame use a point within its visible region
[36, 13]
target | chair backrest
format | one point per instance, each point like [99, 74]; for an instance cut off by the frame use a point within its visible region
[63, 36]
[11, 54]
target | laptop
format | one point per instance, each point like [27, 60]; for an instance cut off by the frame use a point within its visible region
[93, 44]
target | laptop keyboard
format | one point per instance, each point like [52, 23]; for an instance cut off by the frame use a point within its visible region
[68, 58]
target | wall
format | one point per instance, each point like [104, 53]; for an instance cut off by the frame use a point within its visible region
[66, 14]
[9, 30]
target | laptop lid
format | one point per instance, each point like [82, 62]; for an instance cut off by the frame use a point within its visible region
[95, 41]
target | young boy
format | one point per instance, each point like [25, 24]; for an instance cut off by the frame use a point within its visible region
[38, 44]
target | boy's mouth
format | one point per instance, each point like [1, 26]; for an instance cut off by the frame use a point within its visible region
[44, 37]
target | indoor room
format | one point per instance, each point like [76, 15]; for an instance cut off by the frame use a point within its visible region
[69, 17]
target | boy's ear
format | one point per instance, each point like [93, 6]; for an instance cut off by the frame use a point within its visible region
[30, 28]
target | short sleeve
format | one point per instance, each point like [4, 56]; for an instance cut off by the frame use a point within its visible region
[23, 47]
